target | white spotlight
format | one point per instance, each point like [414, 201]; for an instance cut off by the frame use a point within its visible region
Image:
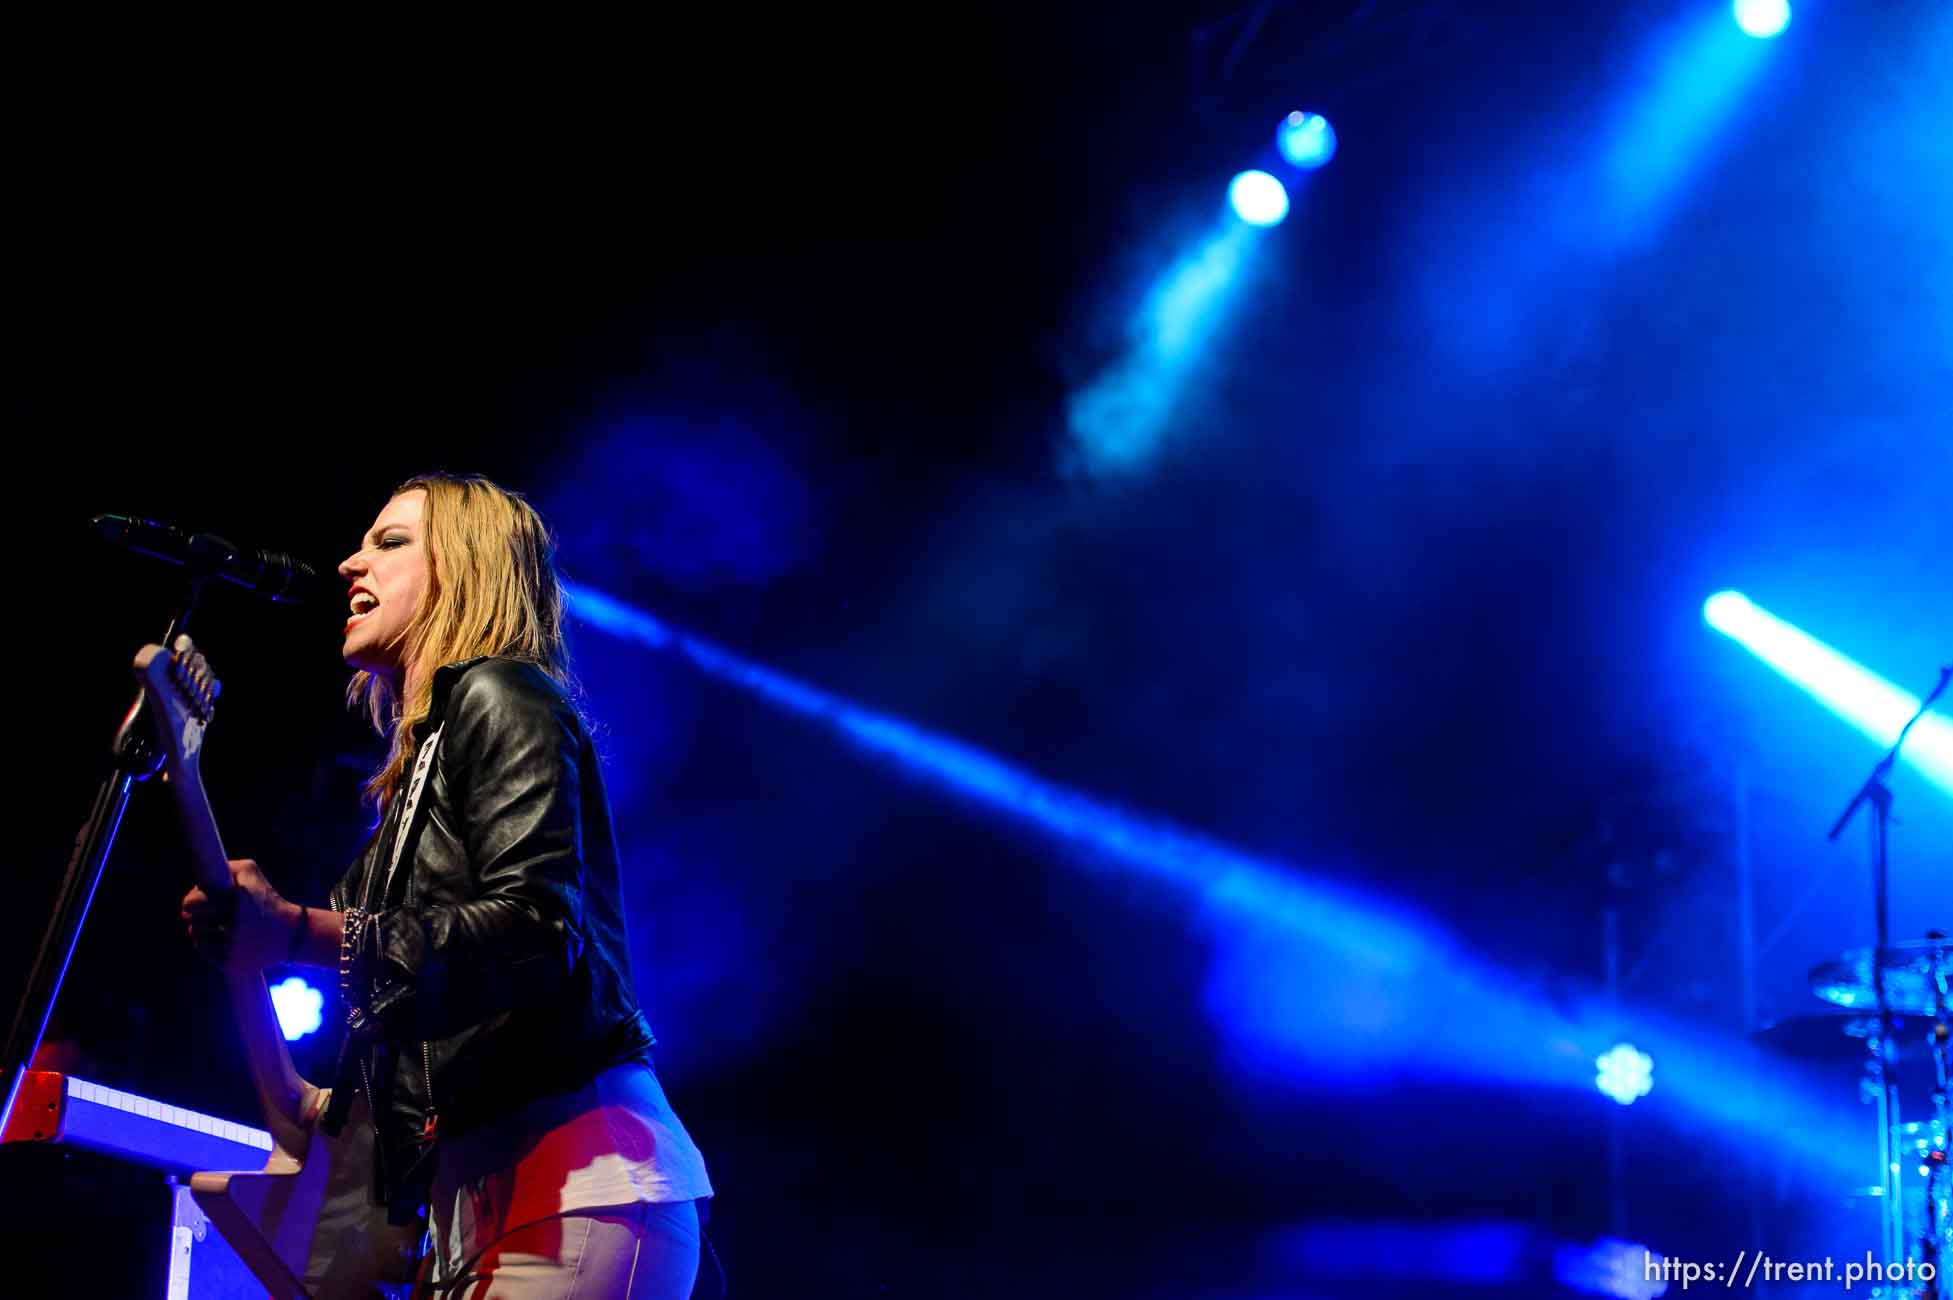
[1258, 198]
[1762, 18]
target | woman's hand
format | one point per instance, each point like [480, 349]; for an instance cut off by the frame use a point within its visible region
[247, 929]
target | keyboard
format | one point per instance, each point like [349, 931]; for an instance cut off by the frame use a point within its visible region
[60, 1108]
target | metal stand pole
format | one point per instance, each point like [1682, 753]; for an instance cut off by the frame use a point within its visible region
[134, 758]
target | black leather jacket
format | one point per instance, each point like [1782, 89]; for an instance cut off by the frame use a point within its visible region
[495, 970]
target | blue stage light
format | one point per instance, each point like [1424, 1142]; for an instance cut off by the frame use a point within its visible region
[298, 1005]
[1306, 139]
[1861, 697]
[1762, 18]
[1258, 198]
[1625, 1073]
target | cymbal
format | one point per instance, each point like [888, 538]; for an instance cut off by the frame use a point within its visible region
[1918, 974]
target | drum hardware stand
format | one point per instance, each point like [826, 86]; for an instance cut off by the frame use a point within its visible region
[1939, 1177]
[1879, 795]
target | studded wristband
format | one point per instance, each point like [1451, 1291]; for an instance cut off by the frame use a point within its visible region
[349, 940]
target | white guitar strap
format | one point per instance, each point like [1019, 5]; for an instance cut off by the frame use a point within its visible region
[421, 766]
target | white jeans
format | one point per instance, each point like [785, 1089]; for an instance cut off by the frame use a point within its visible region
[629, 1252]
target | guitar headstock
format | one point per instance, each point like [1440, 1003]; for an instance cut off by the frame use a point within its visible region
[182, 693]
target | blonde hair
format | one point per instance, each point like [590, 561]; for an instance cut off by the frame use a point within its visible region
[492, 589]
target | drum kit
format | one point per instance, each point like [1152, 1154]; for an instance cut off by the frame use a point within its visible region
[1894, 1026]
[1898, 1010]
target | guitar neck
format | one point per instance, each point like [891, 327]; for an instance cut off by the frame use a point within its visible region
[179, 691]
[208, 861]
[281, 1093]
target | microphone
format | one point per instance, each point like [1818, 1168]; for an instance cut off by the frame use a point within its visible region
[275, 575]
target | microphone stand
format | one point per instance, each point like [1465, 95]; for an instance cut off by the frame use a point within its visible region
[133, 757]
[1879, 796]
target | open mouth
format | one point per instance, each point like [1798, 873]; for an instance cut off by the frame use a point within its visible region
[363, 605]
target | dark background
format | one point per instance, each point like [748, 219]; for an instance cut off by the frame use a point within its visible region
[776, 316]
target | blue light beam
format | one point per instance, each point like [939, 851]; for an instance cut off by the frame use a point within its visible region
[1118, 420]
[1667, 128]
[1227, 879]
[1872, 705]
[1307, 977]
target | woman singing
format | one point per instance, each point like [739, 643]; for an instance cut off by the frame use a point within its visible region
[493, 1036]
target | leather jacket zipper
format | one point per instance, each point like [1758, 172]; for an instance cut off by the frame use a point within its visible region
[427, 1130]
